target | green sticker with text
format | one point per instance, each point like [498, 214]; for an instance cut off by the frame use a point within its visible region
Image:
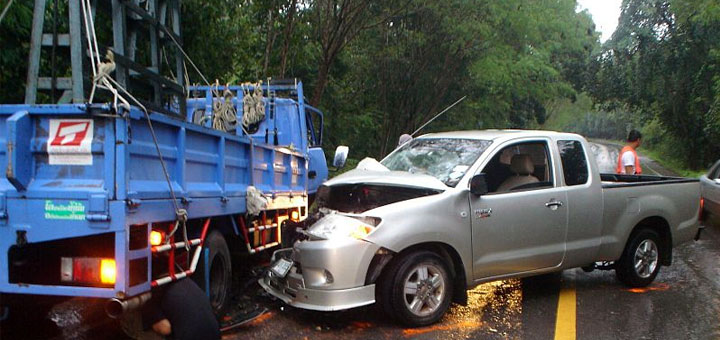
[72, 210]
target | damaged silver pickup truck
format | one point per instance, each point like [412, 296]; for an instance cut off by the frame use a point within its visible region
[448, 211]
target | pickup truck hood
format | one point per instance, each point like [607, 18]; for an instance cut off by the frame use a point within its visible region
[372, 185]
[390, 178]
[370, 171]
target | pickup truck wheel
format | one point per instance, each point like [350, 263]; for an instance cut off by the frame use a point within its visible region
[640, 262]
[220, 272]
[417, 289]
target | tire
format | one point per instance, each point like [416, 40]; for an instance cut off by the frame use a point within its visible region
[220, 272]
[640, 262]
[430, 289]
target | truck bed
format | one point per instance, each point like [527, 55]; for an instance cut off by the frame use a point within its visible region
[111, 188]
[668, 202]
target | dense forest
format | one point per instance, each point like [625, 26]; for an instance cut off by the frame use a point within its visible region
[382, 68]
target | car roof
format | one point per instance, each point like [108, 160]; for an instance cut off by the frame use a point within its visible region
[500, 135]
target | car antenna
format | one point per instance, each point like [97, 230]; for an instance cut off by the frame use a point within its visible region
[438, 115]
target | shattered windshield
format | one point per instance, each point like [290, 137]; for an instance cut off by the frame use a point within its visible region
[446, 159]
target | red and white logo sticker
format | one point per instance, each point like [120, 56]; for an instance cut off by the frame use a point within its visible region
[69, 141]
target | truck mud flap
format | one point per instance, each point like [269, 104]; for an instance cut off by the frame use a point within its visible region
[700, 230]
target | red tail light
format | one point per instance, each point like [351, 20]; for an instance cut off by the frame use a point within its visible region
[88, 270]
[702, 208]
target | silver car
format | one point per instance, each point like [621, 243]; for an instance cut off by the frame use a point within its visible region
[710, 189]
[448, 211]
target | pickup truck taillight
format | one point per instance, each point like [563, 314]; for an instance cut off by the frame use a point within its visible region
[92, 270]
[702, 208]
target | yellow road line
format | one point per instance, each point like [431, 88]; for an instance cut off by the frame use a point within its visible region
[566, 311]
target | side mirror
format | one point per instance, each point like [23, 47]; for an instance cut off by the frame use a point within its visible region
[341, 154]
[478, 185]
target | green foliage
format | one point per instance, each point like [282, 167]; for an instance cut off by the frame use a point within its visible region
[14, 49]
[663, 64]
[382, 68]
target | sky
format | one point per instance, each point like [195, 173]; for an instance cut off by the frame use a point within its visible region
[605, 13]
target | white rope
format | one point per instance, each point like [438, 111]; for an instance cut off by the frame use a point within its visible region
[224, 113]
[88, 38]
[253, 104]
[181, 214]
[7, 7]
[102, 79]
[177, 44]
[90, 21]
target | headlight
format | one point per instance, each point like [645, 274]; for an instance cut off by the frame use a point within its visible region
[338, 226]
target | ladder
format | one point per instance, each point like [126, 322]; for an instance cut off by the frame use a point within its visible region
[72, 87]
[156, 22]
[265, 235]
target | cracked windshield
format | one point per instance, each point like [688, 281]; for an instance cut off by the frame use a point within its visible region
[444, 159]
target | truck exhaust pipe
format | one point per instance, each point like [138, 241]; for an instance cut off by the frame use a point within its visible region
[117, 307]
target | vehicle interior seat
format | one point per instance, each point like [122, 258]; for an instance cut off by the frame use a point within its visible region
[522, 167]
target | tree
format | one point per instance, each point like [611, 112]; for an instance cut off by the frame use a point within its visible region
[662, 63]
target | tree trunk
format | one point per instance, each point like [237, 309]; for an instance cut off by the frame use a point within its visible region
[287, 37]
[269, 41]
[320, 83]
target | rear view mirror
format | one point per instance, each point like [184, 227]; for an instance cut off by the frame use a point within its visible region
[341, 154]
[478, 185]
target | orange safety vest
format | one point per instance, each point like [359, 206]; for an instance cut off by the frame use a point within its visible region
[620, 167]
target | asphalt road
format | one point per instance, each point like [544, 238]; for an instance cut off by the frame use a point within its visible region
[683, 303]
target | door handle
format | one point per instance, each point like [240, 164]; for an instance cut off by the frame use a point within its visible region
[553, 204]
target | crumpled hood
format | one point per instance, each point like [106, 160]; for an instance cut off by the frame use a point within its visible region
[390, 178]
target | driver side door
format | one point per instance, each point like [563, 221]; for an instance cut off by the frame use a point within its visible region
[522, 228]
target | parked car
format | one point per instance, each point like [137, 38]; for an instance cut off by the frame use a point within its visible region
[710, 190]
[448, 211]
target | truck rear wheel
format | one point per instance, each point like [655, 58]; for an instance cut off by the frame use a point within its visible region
[416, 289]
[220, 272]
[640, 262]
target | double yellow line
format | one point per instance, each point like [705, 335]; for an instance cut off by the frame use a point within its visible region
[565, 324]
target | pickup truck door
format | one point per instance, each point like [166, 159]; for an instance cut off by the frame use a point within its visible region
[521, 229]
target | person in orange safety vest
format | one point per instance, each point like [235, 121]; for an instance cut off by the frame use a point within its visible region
[628, 160]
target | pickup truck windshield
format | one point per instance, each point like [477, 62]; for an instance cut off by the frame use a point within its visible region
[446, 159]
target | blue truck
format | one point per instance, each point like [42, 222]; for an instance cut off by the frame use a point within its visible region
[111, 203]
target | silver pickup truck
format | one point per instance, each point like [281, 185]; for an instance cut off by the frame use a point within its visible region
[448, 211]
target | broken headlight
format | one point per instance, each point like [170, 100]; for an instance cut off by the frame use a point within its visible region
[341, 226]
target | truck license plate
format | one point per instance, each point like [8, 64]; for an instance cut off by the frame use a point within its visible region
[281, 267]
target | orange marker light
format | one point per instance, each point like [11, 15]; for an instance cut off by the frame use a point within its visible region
[156, 238]
[361, 232]
[107, 271]
[294, 215]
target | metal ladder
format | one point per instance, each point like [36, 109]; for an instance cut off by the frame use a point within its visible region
[132, 21]
[72, 87]
[256, 245]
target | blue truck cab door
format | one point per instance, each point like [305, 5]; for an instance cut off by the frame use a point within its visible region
[317, 167]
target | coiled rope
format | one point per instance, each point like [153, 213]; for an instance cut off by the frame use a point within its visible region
[253, 104]
[224, 113]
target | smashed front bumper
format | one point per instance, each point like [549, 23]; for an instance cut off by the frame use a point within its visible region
[291, 292]
[325, 275]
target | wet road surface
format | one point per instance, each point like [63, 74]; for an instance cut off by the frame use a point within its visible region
[682, 303]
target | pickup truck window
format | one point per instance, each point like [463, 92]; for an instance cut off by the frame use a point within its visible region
[574, 162]
[522, 166]
[446, 159]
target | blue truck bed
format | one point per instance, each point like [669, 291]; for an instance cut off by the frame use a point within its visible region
[84, 182]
